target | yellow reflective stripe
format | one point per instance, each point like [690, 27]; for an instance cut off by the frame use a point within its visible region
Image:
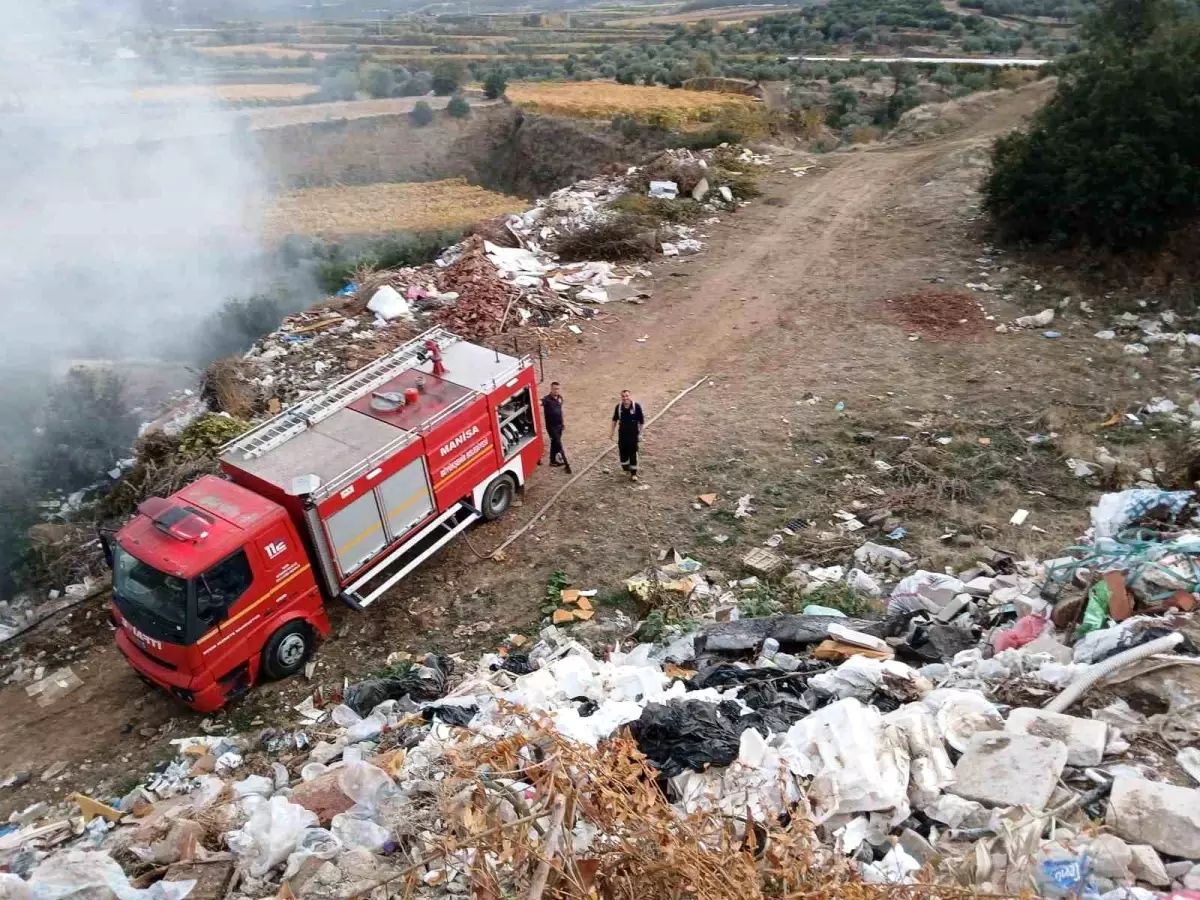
[407, 503]
[265, 597]
[464, 465]
[358, 539]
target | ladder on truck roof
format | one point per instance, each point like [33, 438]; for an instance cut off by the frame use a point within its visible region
[279, 429]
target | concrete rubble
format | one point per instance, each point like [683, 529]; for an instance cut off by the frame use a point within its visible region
[1027, 741]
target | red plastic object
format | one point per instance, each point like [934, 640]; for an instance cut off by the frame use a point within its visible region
[1026, 630]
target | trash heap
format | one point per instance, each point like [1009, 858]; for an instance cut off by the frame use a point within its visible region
[504, 277]
[1019, 725]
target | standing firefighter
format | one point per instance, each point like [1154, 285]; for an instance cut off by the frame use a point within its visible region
[552, 413]
[627, 422]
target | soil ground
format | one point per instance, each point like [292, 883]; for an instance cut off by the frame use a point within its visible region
[812, 380]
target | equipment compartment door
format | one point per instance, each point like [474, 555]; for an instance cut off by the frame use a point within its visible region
[356, 533]
[516, 421]
[405, 498]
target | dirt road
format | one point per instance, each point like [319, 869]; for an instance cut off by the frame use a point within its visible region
[785, 312]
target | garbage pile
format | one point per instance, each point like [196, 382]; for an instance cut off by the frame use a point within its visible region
[1019, 725]
[478, 288]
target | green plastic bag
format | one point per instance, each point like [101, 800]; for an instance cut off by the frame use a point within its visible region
[1096, 613]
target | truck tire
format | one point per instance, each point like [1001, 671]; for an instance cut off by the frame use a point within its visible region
[287, 650]
[497, 498]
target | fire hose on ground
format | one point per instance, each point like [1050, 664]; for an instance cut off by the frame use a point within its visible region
[574, 478]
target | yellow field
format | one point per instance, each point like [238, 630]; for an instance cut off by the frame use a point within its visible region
[603, 100]
[721, 16]
[272, 50]
[379, 208]
[230, 93]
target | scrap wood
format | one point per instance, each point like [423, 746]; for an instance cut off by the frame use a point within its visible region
[318, 325]
[92, 808]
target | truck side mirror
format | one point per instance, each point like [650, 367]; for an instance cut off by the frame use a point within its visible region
[106, 546]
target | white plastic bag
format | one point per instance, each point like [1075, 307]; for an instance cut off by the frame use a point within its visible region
[343, 716]
[366, 730]
[318, 842]
[254, 784]
[356, 833]
[93, 875]
[274, 831]
[907, 595]
[388, 304]
[365, 784]
[854, 762]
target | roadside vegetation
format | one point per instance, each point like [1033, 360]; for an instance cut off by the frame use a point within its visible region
[1113, 160]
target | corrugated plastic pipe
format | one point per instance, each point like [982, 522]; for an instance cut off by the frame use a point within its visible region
[1099, 672]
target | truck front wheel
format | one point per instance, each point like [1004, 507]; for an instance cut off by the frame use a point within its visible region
[288, 650]
[497, 498]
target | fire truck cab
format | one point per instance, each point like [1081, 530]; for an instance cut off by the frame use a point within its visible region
[340, 496]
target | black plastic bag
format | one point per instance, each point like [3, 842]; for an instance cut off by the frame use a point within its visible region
[421, 683]
[689, 734]
[451, 715]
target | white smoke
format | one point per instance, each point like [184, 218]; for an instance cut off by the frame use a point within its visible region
[125, 222]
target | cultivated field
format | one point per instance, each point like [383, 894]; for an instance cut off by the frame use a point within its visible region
[603, 100]
[726, 15]
[380, 208]
[230, 93]
[272, 50]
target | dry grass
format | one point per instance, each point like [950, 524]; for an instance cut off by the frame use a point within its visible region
[523, 844]
[376, 208]
[603, 100]
[272, 50]
[229, 93]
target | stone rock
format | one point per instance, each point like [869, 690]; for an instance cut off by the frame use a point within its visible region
[1178, 869]
[980, 586]
[1146, 865]
[1003, 769]
[323, 796]
[1085, 738]
[1162, 815]
[1191, 880]
[917, 847]
[212, 878]
[1110, 855]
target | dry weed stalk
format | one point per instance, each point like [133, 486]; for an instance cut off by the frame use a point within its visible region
[642, 848]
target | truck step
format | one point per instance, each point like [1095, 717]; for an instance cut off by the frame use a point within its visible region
[369, 587]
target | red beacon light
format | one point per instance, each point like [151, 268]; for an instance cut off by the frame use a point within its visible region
[183, 523]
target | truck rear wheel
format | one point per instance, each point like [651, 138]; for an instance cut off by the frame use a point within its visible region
[288, 650]
[497, 498]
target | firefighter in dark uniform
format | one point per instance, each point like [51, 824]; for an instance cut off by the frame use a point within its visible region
[627, 422]
[553, 415]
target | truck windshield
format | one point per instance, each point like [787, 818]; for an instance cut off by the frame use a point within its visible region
[156, 601]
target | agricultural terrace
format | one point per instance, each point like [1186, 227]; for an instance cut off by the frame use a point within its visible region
[332, 212]
[229, 93]
[603, 100]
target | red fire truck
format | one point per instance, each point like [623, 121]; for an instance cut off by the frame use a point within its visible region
[340, 496]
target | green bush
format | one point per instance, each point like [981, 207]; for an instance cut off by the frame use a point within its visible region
[205, 435]
[1114, 158]
[495, 85]
[338, 262]
[422, 113]
[448, 77]
[458, 107]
